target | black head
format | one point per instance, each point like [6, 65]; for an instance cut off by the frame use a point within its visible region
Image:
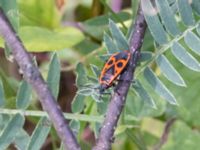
[102, 88]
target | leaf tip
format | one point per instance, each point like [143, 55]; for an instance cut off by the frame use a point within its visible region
[110, 21]
[183, 84]
[154, 106]
[174, 103]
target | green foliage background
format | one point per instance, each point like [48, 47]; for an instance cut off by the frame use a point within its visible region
[166, 80]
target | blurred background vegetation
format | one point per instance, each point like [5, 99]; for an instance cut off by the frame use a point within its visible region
[62, 33]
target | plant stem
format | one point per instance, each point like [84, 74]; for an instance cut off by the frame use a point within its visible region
[33, 76]
[118, 99]
[37, 113]
[165, 134]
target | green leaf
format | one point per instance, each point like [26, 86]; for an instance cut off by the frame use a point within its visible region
[136, 137]
[75, 126]
[53, 79]
[144, 94]
[145, 56]
[110, 45]
[23, 95]
[96, 97]
[196, 6]
[173, 5]
[11, 130]
[96, 71]
[118, 36]
[37, 39]
[97, 128]
[113, 13]
[44, 125]
[9, 85]
[7, 51]
[2, 97]
[103, 20]
[4, 119]
[11, 10]
[186, 138]
[147, 123]
[85, 91]
[39, 134]
[105, 57]
[154, 25]
[171, 2]
[94, 31]
[102, 106]
[169, 71]
[81, 78]
[186, 12]
[122, 128]
[167, 17]
[198, 29]
[158, 86]
[22, 139]
[61, 146]
[39, 13]
[184, 57]
[78, 103]
[193, 42]
[92, 79]
[84, 47]
[2, 122]
[138, 108]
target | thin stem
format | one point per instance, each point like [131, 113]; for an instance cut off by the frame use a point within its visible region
[37, 113]
[33, 76]
[165, 134]
[118, 99]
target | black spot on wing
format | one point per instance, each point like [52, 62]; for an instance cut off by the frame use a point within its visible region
[119, 64]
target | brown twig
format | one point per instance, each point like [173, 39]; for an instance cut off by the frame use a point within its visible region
[165, 134]
[118, 99]
[33, 76]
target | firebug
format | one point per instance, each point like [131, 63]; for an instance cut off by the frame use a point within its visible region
[112, 69]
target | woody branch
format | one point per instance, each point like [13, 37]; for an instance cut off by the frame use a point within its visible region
[33, 76]
[119, 97]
